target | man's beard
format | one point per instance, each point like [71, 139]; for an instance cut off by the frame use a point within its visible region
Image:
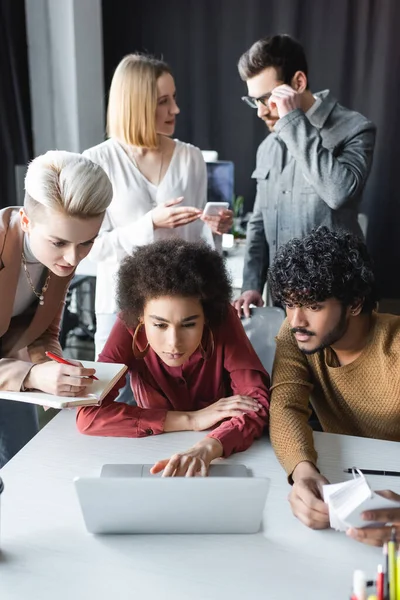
[333, 336]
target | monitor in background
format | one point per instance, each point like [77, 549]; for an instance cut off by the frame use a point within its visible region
[221, 177]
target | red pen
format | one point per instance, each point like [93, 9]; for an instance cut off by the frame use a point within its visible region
[61, 360]
[380, 583]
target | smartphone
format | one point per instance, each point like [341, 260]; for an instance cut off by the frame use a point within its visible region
[212, 209]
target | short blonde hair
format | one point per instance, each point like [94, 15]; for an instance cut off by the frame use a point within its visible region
[131, 114]
[67, 182]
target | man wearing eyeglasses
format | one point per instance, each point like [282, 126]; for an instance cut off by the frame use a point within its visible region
[312, 167]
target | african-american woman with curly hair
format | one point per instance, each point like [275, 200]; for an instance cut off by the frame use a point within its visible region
[191, 365]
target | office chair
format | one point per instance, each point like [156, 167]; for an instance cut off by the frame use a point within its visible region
[79, 314]
[261, 329]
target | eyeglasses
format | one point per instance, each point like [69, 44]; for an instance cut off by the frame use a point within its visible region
[253, 102]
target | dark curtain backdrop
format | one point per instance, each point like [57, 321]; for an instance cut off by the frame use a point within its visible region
[15, 111]
[353, 48]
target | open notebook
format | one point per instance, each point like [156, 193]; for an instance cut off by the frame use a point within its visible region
[107, 374]
[349, 499]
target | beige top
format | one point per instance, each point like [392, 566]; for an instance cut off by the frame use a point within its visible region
[24, 338]
[361, 398]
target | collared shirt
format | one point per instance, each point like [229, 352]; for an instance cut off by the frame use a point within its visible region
[310, 171]
[313, 107]
[233, 368]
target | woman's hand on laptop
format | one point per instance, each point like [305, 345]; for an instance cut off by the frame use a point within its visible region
[378, 535]
[306, 496]
[195, 461]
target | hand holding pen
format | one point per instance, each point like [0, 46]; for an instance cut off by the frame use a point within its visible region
[60, 377]
[72, 363]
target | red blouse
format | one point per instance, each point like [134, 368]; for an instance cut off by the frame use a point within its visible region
[234, 368]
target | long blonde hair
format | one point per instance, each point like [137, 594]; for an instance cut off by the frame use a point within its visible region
[67, 182]
[131, 114]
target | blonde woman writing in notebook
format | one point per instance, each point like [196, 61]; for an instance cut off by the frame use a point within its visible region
[40, 246]
[191, 364]
[160, 184]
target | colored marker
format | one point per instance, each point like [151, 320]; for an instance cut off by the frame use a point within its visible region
[398, 577]
[380, 584]
[385, 572]
[392, 565]
[359, 585]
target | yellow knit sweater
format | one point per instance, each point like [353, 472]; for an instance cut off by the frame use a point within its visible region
[361, 398]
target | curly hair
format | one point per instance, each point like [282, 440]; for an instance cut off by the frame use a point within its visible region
[324, 264]
[173, 268]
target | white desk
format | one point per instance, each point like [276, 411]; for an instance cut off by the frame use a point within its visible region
[48, 555]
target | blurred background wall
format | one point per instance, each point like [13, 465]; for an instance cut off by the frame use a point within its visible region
[353, 48]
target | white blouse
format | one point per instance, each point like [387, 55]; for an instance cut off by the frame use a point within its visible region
[128, 221]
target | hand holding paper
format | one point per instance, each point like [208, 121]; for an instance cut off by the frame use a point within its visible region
[350, 500]
[387, 519]
[306, 496]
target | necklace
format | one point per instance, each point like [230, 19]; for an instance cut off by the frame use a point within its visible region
[39, 295]
[135, 162]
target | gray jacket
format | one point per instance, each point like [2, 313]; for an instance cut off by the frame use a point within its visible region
[310, 171]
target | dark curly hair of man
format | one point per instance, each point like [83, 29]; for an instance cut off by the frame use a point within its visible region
[174, 268]
[324, 264]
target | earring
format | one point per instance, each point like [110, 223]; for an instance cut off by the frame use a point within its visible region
[139, 354]
[207, 354]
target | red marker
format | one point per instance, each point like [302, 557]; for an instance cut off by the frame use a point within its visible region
[61, 360]
[380, 583]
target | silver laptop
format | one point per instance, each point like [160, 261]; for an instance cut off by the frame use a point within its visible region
[137, 470]
[126, 499]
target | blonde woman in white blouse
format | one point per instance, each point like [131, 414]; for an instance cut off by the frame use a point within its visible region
[159, 184]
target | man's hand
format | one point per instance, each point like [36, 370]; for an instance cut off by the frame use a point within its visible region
[59, 379]
[195, 461]
[305, 497]
[285, 99]
[170, 216]
[221, 223]
[243, 302]
[225, 408]
[377, 536]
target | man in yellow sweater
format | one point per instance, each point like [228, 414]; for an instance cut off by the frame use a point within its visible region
[334, 351]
